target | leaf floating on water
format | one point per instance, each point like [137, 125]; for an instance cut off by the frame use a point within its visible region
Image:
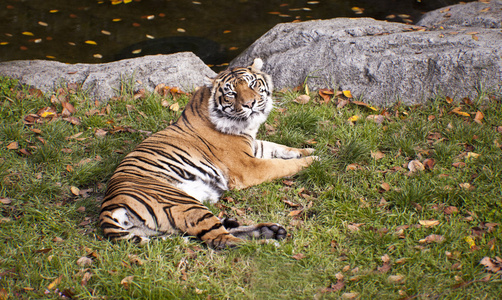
[27, 33]
[137, 51]
[105, 32]
[43, 24]
[89, 42]
[181, 30]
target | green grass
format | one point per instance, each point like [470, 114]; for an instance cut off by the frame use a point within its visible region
[350, 209]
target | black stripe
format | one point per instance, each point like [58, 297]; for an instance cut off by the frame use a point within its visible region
[204, 232]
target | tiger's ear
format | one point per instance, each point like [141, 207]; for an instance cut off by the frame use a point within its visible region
[257, 64]
[208, 81]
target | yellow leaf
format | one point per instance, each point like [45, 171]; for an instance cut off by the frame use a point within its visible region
[470, 241]
[89, 42]
[472, 155]
[116, 20]
[347, 93]
[46, 114]
[174, 107]
[55, 282]
[459, 112]
[353, 118]
[27, 33]
[53, 11]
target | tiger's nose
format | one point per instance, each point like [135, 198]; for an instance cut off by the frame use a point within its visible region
[249, 104]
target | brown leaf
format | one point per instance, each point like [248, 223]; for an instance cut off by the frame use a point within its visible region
[377, 155]
[302, 99]
[350, 295]
[291, 204]
[69, 107]
[135, 260]
[433, 238]
[334, 287]
[395, 278]
[385, 186]
[492, 265]
[140, 94]
[5, 201]
[74, 190]
[85, 278]
[429, 163]
[326, 95]
[73, 120]
[342, 103]
[295, 213]
[458, 164]
[299, 256]
[479, 116]
[353, 167]
[100, 132]
[376, 118]
[428, 223]
[84, 261]
[126, 281]
[13, 146]
[450, 210]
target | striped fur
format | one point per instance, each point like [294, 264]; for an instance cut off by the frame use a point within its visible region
[159, 188]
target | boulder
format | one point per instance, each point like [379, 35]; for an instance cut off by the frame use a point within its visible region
[382, 62]
[487, 14]
[103, 81]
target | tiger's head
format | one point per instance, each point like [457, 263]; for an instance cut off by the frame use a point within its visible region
[241, 99]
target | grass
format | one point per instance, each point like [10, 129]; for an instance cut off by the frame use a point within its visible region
[361, 223]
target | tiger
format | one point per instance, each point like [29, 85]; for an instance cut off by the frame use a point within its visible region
[159, 189]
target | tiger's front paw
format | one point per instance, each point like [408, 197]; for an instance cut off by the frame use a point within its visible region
[271, 231]
[307, 151]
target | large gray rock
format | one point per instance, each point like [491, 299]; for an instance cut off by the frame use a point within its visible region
[183, 70]
[380, 61]
[472, 14]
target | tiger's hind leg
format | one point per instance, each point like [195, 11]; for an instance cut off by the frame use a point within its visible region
[258, 231]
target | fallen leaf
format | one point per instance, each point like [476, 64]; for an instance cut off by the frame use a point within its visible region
[326, 94]
[352, 167]
[429, 163]
[376, 118]
[458, 164]
[415, 166]
[472, 155]
[174, 107]
[85, 278]
[428, 223]
[100, 132]
[135, 260]
[295, 213]
[385, 186]
[458, 111]
[13, 146]
[479, 117]
[5, 201]
[302, 99]
[299, 256]
[354, 118]
[350, 295]
[433, 238]
[126, 281]
[365, 105]
[291, 204]
[75, 190]
[55, 282]
[342, 103]
[492, 265]
[347, 94]
[450, 210]
[84, 261]
[466, 186]
[395, 278]
[377, 155]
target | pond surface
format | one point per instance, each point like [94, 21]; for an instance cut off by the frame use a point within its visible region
[96, 31]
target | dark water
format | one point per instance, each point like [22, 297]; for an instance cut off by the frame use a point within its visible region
[94, 31]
